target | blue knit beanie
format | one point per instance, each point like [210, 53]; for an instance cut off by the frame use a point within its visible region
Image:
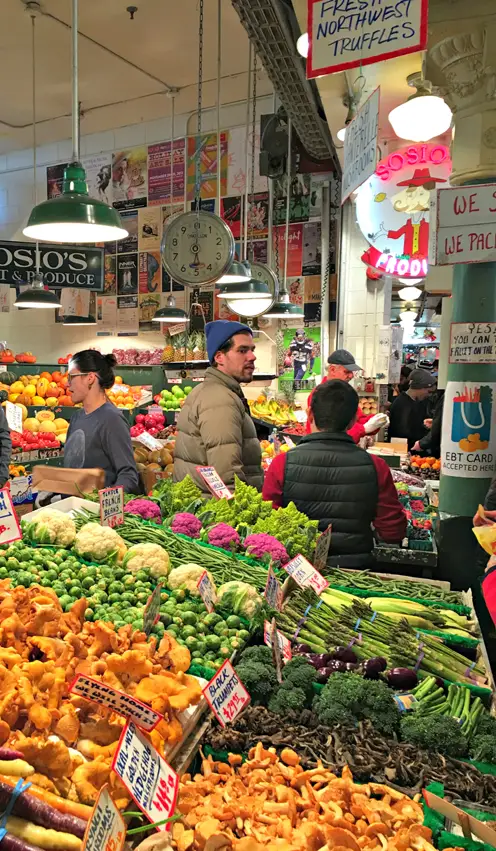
[219, 332]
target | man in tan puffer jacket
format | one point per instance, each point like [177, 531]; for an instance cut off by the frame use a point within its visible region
[214, 428]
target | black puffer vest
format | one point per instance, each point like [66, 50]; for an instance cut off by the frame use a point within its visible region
[332, 480]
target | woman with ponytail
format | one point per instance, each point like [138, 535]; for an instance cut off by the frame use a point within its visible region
[98, 434]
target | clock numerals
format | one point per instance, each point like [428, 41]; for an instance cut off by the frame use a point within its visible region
[197, 248]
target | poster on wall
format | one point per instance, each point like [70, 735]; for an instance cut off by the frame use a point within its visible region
[295, 248]
[110, 285]
[317, 181]
[204, 149]
[312, 298]
[130, 178]
[392, 208]
[127, 316]
[468, 440]
[296, 289]
[149, 228]
[312, 248]
[168, 211]
[150, 268]
[299, 202]
[260, 249]
[130, 222]
[236, 173]
[106, 316]
[127, 274]
[230, 211]
[341, 36]
[159, 172]
[148, 306]
[74, 303]
[206, 298]
[54, 178]
[301, 355]
[258, 215]
[98, 168]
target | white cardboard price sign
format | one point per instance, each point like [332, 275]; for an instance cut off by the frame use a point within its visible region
[118, 701]
[112, 506]
[207, 591]
[273, 590]
[149, 441]
[106, 829]
[322, 548]
[151, 612]
[283, 642]
[9, 525]
[226, 694]
[149, 779]
[305, 575]
[14, 416]
[211, 477]
[360, 146]
[289, 442]
[470, 342]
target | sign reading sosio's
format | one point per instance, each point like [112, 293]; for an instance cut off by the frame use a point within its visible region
[392, 208]
[80, 266]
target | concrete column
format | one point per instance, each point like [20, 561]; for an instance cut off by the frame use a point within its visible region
[466, 62]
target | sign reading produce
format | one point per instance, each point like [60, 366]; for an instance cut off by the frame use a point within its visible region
[79, 266]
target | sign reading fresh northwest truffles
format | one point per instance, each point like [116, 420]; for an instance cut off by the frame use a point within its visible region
[351, 33]
[80, 266]
[392, 208]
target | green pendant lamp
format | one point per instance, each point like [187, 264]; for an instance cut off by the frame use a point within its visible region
[79, 321]
[252, 289]
[73, 217]
[37, 296]
[171, 314]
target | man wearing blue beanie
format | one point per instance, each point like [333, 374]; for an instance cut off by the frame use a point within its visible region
[214, 428]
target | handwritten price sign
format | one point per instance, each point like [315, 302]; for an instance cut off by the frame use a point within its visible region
[226, 694]
[305, 575]
[273, 590]
[106, 830]
[211, 477]
[207, 591]
[151, 782]
[124, 704]
[283, 642]
[112, 506]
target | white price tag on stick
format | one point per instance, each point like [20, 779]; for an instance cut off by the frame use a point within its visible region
[207, 591]
[305, 575]
[149, 441]
[106, 830]
[226, 694]
[149, 779]
[111, 506]
[283, 642]
[9, 525]
[118, 701]
[273, 590]
[211, 477]
[14, 416]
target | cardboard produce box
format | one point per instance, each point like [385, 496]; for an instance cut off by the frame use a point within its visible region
[68, 480]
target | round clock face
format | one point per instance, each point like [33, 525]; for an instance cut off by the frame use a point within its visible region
[197, 248]
[251, 307]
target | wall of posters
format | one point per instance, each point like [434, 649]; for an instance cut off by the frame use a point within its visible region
[55, 174]
[149, 228]
[106, 315]
[295, 248]
[150, 272]
[148, 306]
[127, 316]
[130, 222]
[299, 202]
[130, 178]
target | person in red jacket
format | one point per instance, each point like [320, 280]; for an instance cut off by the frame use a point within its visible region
[341, 364]
[334, 481]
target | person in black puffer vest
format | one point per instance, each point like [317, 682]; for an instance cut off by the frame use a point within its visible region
[333, 481]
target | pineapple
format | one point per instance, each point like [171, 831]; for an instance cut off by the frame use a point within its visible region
[179, 344]
[168, 352]
[189, 347]
[197, 344]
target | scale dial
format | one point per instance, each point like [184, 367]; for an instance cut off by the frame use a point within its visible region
[197, 248]
[252, 307]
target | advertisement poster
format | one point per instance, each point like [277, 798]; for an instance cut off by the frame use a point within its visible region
[223, 311]
[169, 211]
[127, 315]
[206, 297]
[312, 255]
[258, 215]
[295, 248]
[98, 169]
[129, 220]
[148, 306]
[296, 288]
[130, 178]
[301, 355]
[4, 298]
[231, 212]
[159, 172]
[150, 278]
[204, 149]
[110, 279]
[55, 175]
[106, 315]
[317, 181]
[312, 298]
[74, 302]
[299, 202]
[127, 274]
[260, 250]
[149, 228]
[236, 172]
[468, 439]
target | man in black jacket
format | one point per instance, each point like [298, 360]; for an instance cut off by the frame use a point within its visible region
[409, 410]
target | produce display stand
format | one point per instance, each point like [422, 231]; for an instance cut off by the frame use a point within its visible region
[402, 559]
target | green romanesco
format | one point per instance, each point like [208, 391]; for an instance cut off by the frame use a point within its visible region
[184, 493]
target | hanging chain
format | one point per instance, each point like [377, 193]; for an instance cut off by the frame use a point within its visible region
[253, 134]
[199, 106]
[277, 269]
[334, 211]
[173, 116]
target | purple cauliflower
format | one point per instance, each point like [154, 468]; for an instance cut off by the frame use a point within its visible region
[260, 545]
[222, 535]
[145, 508]
[186, 524]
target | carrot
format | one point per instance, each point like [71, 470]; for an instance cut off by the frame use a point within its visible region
[61, 804]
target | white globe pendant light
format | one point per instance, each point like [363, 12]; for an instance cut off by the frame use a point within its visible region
[303, 45]
[423, 116]
[409, 293]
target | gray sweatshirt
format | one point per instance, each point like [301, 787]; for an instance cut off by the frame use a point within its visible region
[102, 439]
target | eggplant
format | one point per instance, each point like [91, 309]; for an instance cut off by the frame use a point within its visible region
[351, 666]
[402, 678]
[323, 675]
[371, 668]
[320, 660]
[344, 654]
[302, 649]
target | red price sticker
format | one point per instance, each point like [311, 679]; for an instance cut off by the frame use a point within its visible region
[273, 590]
[305, 575]
[106, 830]
[112, 506]
[226, 694]
[211, 477]
[150, 781]
[118, 701]
[207, 591]
[283, 642]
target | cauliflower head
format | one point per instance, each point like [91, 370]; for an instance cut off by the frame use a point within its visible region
[186, 578]
[149, 557]
[50, 527]
[99, 543]
[239, 598]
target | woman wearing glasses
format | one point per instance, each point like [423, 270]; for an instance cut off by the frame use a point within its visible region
[98, 435]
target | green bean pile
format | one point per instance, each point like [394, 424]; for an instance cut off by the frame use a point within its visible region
[396, 587]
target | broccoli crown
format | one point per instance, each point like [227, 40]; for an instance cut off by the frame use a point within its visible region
[287, 698]
[348, 698]
[259, 653]
[435, 733]
[483, 748]
[300, 674]
[260, 680]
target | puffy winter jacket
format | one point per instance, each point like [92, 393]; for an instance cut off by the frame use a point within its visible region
[215, 429]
